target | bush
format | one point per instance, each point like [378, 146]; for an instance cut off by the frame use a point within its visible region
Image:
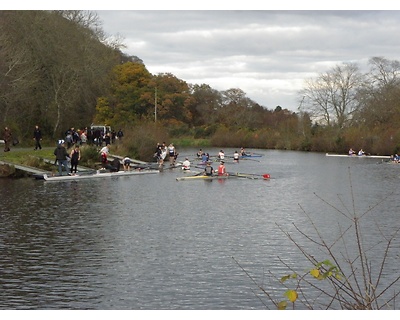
[338, 278]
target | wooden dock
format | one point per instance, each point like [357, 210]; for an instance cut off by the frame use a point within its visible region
[80, 168]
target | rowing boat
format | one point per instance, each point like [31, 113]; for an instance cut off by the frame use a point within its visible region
[203, 178]
[97, 175]
[356, 156]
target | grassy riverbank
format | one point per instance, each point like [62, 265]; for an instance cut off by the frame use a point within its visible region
[43, 159]
[23, 154]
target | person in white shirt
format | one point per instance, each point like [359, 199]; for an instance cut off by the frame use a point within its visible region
[104, 155]
[236, 156]
[186, 164]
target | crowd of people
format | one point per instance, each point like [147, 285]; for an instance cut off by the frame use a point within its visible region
[73, 140]
[91, 136]
[208, 169]
[76, 138]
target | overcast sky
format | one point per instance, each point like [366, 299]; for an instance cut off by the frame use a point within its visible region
[266, 53]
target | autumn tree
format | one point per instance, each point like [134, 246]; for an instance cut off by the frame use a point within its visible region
[174, 98]
[130, 97]
[206, 102]
[238, 110]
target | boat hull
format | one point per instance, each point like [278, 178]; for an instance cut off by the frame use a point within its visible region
[357, 156]
[98, 175]
[203, 178]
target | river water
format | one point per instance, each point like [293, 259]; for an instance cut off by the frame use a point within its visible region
[150, 242]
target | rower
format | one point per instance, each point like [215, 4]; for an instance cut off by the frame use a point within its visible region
[208, 170]
[236, 157]
[222, 169]
[186, 164]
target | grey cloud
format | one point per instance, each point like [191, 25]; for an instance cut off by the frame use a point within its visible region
[265, 53]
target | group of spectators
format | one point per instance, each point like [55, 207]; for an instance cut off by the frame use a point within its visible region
[97, 137]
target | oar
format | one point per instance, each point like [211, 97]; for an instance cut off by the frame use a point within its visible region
[264, 176]
[246, 158]
[243, 158]
[200, 167]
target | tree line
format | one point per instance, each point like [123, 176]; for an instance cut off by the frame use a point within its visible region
[59, 69]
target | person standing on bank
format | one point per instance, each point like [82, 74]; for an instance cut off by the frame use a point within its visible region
[75, 157]
[172, 154]
[7, 137]
[37, 136]
[104, 155]
[120, 134]
[61, 157]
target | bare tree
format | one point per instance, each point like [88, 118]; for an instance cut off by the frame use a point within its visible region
[384, 72]
[332, 95]
[53, 66]
[379, 96]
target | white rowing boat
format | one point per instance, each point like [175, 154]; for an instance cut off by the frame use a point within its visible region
[97, 175]
[357, 156]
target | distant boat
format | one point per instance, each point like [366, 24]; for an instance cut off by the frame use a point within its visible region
[356, 156]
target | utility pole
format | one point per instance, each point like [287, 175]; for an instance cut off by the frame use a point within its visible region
[155, 105]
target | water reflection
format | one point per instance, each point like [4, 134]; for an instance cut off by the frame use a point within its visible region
[151, 242]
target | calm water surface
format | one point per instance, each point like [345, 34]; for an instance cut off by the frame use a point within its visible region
[151, 242]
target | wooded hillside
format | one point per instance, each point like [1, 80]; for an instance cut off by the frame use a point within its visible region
[58, 70]
[53, 66]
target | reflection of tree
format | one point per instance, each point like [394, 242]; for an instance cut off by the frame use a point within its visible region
[350, 271]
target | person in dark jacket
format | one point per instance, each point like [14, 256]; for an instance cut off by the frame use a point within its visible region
[37, 136]
[75, 158]
[7, 137]
[62, 157]
[114, 166]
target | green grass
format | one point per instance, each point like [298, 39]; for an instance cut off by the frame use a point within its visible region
[17, 155]
[190, 142]
[29, 157]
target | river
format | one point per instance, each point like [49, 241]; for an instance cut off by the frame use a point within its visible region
[150, 242]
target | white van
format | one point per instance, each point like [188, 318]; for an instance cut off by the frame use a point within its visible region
[103, 129]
